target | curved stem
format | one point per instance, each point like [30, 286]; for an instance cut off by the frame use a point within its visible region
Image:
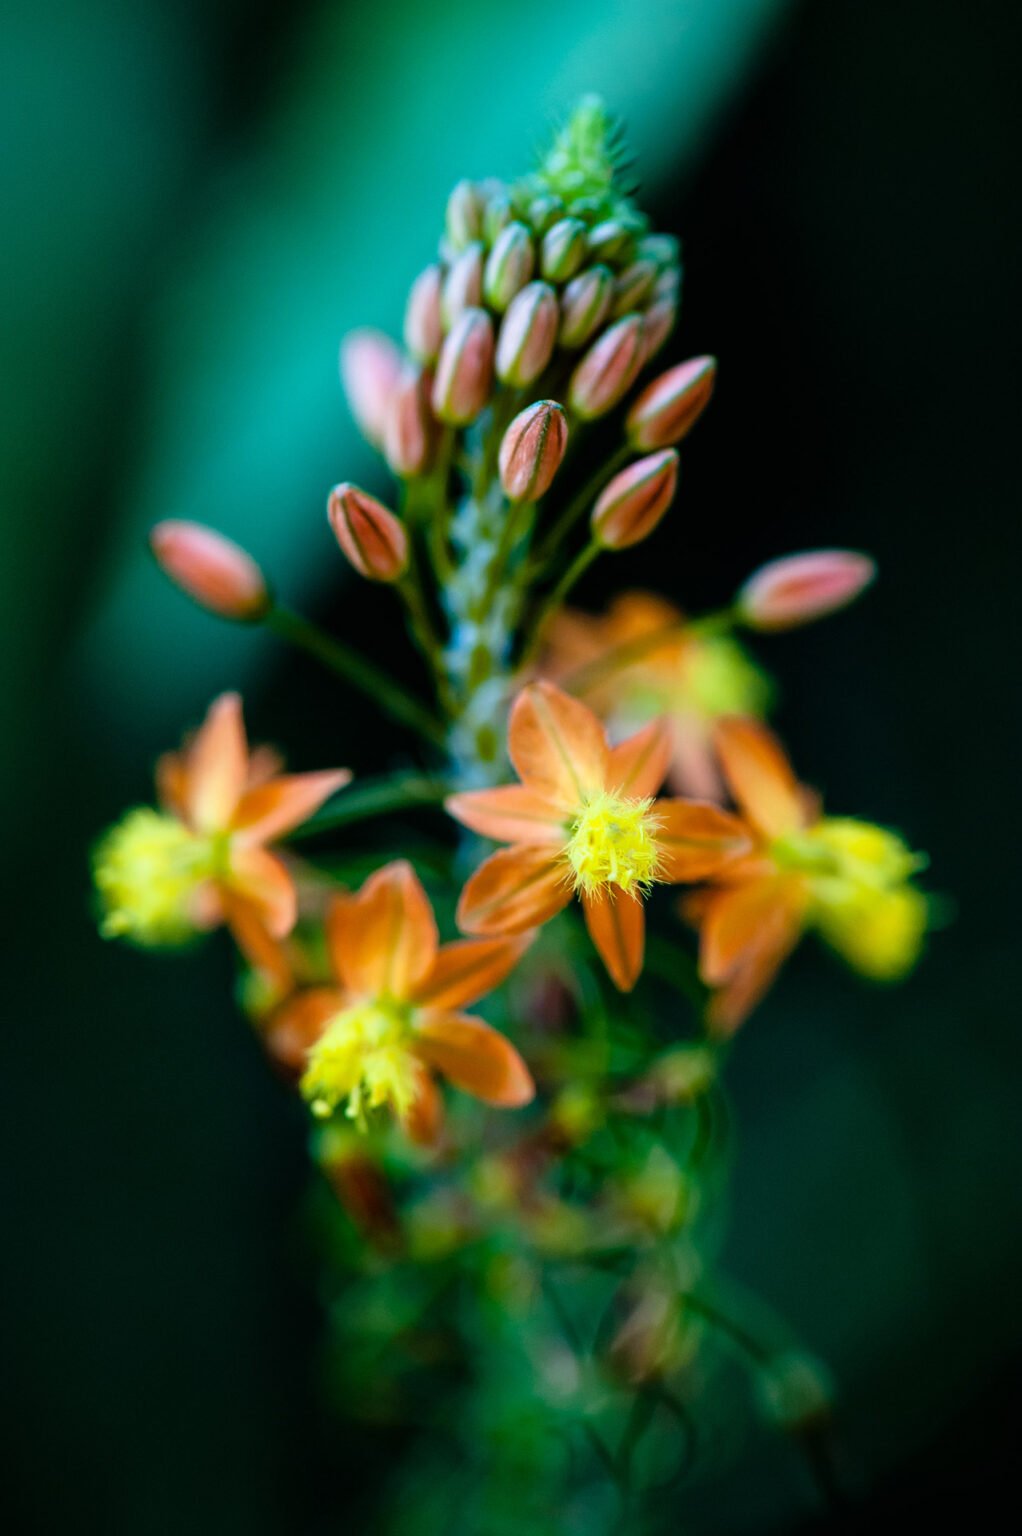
[578, 506]
[576, 570]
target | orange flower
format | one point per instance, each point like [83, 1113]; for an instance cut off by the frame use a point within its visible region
[848, 879]
[203, 859]
[394, 1018]
[584, 820]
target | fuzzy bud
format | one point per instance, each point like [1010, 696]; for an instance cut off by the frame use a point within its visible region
[609, 369]
[463, 285]
[585, 304]
[464, 373]
[634, 286]
[424, 327]
[800, 588]
[527, 335]
[532, 449]
[370, 365]
[212, 570]
[564, 250]
[371, 536]
[408, 437]
[508, 266]
[631, 506]
[464, 221]
[669, 408]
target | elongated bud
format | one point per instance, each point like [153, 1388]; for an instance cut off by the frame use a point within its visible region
[658, 323]
[371, 536]
[633, 287]
[800, 588]
[669, 408]
[608, 370]
[463, 285]
[214, 572]
[611, 241]
[370, 364]
[464, 373]
[629, 508]
[499, 214]
[508, 266]
[532, 449]
[409, 436]
[585, 304]
[527, 335]
[564, 250]
[424, 327]
[464, 220]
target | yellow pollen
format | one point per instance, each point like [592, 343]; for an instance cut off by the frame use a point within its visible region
[363, 1060]
[613, 842]
[147, 870]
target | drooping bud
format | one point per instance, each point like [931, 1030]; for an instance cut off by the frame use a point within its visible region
[609, 369]
[630, 507]
[464, 221]
[800, 588]
[409, 435]
[585, 304]
[669, 408]
[532, 449]
[508, 266]
[634, 286]
[371, 536]
[527, 335]
[370, 364]
[213, 571]
[424, 327]
[564, 250]
[464, 373]
[463, 285]
[658, 323]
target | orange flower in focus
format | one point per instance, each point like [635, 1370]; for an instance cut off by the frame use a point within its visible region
[689, 678]
[395, 1017]
[584, 820]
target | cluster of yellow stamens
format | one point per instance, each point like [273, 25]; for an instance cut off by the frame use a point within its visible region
[363, 1060]
[147, 870]
[613, 842]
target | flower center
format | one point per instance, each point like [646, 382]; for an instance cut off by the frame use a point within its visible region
[147, 870]
[363, 1060]
[613, 842]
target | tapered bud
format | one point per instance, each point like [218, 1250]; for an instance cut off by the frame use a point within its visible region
[463, 285]
[508, 266]
[408, 438]
[585, 304]
[669, 408]
[629, 508]
[370, 365]
[658, 323]
[532, 449]
[464, 221]
[424, 326]
[214, 572]
[464, 373]
[564, 250]
[370, 535]
[527, 335]
[800, 588]
[634, 286]
[611, 241]
[609, 369]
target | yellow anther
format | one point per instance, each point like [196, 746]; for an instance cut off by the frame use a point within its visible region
[363, 1060]
[613, 842]
[147, 870]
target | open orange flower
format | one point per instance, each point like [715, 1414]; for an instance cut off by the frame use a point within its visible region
[395, 1017]
[584, 820]
[203, 859]
[847, 879]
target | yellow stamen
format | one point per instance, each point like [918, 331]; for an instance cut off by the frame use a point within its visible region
[363, 1060]
[613, 842]
[147, 870]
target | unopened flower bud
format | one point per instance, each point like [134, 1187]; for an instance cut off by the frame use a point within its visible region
[532, 449]
[464, 221]
[214, 572]
[464, 373]
[508, 266]
[667, 286]
[585, 304]
[527, 335]
[609, 369]
[658, 323]
[409, 435]
[634, 286]
[499, 213]
[463, 285]
[370, 535]
[545, 211]
[631, 506]
[664, 250]
[424, 327]
[370, 365]
[564, 250]
[799, 588]
[669, 408]
[611, 241]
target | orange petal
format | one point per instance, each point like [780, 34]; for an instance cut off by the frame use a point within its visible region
[474, 1057]
[755, 972]
[294, 1029]
[172, 783]
[514, 889]
[267, 810]
[557, 744]
[741, 918]
[469, 968]
[426, 1115]
[639, 765]
[697, 839]
[264, 883]
[262, 953]
[511, 814]
[759, 775]
[383, 942]
[617, 926]
[217, 766]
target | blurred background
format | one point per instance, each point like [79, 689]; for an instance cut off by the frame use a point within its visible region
[199, 199]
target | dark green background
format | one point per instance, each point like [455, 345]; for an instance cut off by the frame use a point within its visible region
[199, 199]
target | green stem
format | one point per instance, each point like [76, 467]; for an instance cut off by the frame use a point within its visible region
[376, 797]
[579, 506]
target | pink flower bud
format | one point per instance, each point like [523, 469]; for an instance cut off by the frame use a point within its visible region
[370, 364]
[659, 321]
[213, 571]
[424, 330]
[464, 220]
[585, 304]
[633, 286]
[508, 266]
[409, 435]
[608, 370]
[532, 450]
[564, 249]
[463, 285]
[371, 536]
[464, 373]
[527, 335]
[629, 508]
[800, 588]
[669, 408]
